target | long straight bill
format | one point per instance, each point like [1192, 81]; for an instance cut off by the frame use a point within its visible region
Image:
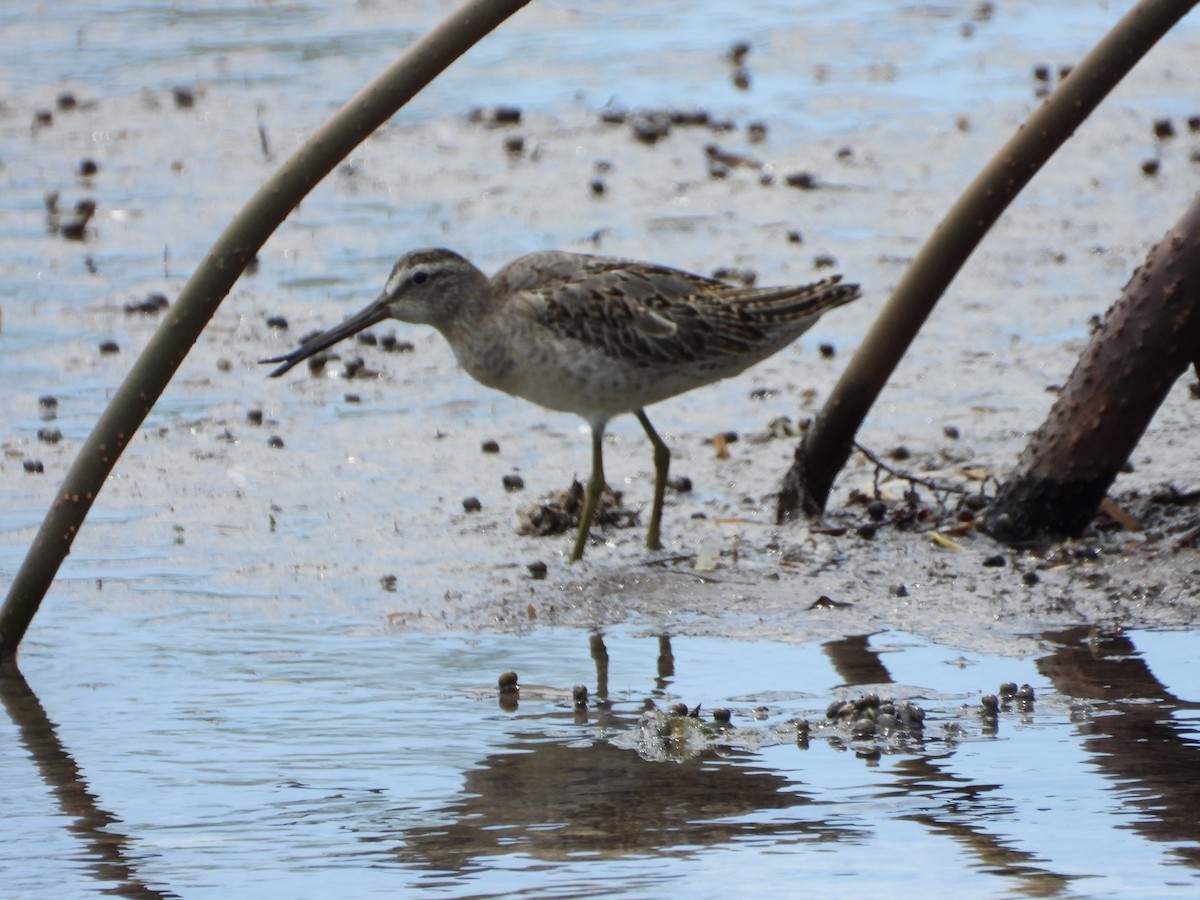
[372, 315]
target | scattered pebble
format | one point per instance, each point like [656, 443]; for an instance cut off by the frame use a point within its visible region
[975, 502]
[513, 483]
[827, 602]
[275, 442]
[795, 237]
[75, 228]
[352, 398]
[388, 583]
[805, 181]
[689, 117]
[746, 277]
[952, 432]
[42, 118]
[148, 305]
[277, 322]
[49, 435]
[1031, 578]
[824, 261]
[1151, 167]
[537, 571]
[827, 351]
[597, 187]
[876, 510]
[497, 115]
[650, 128]
[1164, 128]
[109, 347]
[185, 97]
[33, 466]
[514, 145]
[471, 504]
[756, 132]
[995, 561]
[782, 427]
[87, 168]
[681, 484]
[490, 447]
[254, 416]
[390, 344]
[358, 368]
[66, 101]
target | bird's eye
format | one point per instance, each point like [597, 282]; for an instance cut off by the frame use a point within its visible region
[420, 276]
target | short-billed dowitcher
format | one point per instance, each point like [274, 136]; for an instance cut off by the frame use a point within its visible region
[591, 335]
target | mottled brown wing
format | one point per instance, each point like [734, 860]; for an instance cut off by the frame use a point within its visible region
[647, 314]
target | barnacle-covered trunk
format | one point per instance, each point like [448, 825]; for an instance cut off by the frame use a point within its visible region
[1147, 340]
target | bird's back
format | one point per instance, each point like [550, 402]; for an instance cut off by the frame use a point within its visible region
[600, 335]
[647, 314]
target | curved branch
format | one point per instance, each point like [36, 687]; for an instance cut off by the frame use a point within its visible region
[212, 280]
[828, 442]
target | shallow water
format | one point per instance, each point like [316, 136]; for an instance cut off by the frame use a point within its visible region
[294, 756]
[224, 693]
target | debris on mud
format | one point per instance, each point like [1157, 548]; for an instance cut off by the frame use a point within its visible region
[559, 512]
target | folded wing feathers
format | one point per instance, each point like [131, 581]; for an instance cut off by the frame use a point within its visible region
[650, 314]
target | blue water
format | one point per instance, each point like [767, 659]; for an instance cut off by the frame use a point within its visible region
[219, 700]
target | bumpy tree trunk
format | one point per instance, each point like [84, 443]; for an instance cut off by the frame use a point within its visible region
[1149, 337]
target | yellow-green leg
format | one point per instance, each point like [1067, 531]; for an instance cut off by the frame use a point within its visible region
[662, 462]
[591, 494]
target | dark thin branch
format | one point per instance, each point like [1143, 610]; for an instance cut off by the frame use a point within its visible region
[907, 476]
[213, 278]
[827, 444]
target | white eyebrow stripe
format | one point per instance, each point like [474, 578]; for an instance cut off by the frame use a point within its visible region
[395, 280]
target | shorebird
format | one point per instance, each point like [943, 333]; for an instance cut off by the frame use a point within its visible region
[592, 335]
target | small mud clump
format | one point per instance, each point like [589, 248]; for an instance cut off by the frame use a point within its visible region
[560, 511]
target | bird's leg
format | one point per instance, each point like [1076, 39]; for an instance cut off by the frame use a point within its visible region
[591, 494]
[662, 462]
